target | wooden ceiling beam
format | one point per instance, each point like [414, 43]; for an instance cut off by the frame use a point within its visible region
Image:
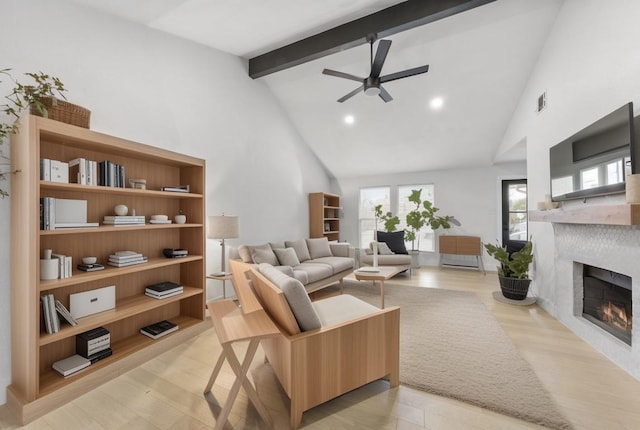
[394, 19]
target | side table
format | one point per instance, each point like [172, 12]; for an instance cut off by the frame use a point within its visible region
[224, 278]
[233, 325]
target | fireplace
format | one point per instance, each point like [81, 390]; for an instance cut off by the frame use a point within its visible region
[607, 301]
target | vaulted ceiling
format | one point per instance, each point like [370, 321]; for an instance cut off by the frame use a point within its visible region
[479, 62]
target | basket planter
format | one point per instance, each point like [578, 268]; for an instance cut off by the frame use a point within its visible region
[514, 288]
[60, 110]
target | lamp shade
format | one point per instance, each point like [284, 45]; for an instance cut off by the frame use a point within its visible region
[223, 227]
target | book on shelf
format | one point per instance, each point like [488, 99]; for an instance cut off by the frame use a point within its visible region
[163, 296]
[177, 189]
[125, 256]
[124, 218]
[90, 267]
[49, 314]
[163, 290]
[160, 221]
[100, 355]
[111, 174]
[159, 329]
[163, 287]
[127, 263]
[64, 313]
[71, 365]
[54, 171]
[65, 264]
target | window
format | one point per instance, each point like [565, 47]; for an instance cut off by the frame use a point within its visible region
[425, 241]
[514, 213]
[369, 199]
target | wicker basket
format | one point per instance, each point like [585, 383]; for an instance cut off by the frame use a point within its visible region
[60, 110]
[513, 288]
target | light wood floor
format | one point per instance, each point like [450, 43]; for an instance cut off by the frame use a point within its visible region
[166, 393]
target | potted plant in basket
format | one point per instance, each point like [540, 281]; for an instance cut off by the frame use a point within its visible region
[513, 271]
[22, 97]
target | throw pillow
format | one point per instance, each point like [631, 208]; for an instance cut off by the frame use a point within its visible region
[300, 247]
[319, 248]
[394, 240]
[383, 248]
[296, 296]
[287, 256]
[245, 254]
[261, 255]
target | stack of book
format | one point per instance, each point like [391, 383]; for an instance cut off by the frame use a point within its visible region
[163, 290]
[50, 310]
[94, 344]
[110, 174]
[123, 220]
[126, 258]
[65, 265]
[159, 329]
[83, 171]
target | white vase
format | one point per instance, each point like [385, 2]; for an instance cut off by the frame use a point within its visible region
[180, 219]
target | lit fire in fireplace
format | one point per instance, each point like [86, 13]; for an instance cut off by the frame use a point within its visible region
[616, 316]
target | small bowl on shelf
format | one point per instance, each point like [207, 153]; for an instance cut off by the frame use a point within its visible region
[89, 260]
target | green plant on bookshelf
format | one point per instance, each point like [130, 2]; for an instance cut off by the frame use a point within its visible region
[21, 97]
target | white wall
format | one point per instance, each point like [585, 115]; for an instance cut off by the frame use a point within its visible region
[469, 194]
[589, 67]
[157, 89]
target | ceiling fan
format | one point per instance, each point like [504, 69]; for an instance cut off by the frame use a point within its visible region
[372, 84]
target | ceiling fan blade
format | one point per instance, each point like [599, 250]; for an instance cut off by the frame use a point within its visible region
[384, 95]
[381, 55]
[351, 94]
[404, 74]
[342, 75]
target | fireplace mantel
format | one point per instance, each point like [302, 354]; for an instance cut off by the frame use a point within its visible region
[617, 214]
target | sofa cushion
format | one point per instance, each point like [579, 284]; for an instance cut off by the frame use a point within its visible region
[301, 276]
[338, 264]
[301, 248]
[287, 256]
[245, 254]
[387, 260]
[278, 245]
[395, 240]
[383, 248]
[338, 309]
[263, 255]
[296, 296]
[287, 270]
[319, 247]
[315, 271]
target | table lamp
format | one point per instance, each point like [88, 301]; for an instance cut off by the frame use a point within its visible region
[223, 227]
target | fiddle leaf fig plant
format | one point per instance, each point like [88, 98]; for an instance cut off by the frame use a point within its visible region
[24, 96]
[424, 214]
[390, 220]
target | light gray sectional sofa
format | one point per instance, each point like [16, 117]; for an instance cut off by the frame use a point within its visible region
[316, 263]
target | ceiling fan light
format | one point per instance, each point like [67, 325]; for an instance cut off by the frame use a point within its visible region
[372, 91]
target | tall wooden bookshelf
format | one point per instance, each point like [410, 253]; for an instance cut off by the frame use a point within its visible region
[36, 388]
[324, 215]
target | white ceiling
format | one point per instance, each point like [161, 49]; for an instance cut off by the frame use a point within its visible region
[479, 61]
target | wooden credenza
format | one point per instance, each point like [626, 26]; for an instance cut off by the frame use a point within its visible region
[461, 245]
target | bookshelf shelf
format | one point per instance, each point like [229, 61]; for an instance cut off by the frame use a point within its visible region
[36, 388]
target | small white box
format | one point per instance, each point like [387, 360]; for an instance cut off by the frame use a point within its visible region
[93, 301]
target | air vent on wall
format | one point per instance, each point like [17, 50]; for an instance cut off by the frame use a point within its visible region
[542, 102]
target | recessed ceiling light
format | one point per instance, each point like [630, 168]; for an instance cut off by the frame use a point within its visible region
[436, 103]
[349, 119]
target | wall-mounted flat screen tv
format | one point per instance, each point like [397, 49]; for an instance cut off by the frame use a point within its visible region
[596, 160]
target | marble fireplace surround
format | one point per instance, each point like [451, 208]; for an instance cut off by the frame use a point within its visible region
[598, 238]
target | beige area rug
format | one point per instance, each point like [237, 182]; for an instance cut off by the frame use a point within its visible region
[452, 346]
